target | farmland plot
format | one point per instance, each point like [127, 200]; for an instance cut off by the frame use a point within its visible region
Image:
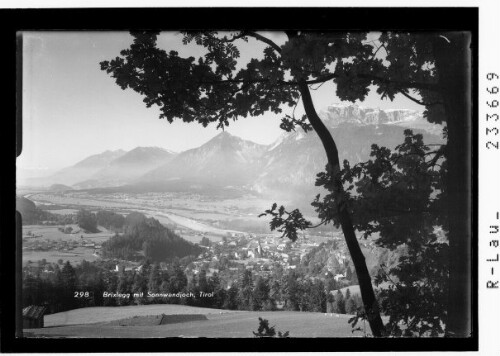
[51, 244]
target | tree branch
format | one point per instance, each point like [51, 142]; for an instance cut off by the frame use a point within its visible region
[418, 101]
[254, 35]
[403, 84]
[440, 152]
[319, 86]
[263, 39]
[379, 47]
[247, 81]
[320, 128]
[320, 79]
[295, 107]
[234, 38]
[314, 226]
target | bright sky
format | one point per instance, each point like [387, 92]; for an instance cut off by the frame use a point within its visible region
[72, 109]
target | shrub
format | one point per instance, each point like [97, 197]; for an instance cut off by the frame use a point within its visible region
[265, 331]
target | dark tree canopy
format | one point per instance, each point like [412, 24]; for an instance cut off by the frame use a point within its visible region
[212, 88]
[87, 220]
[157, 242]
[400, 198]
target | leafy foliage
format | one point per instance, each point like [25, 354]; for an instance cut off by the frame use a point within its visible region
[286, 222]
[288, 123]
[398, 197]
[310, 54]
[265, 330]
[260, 297]
[87, 220]
[205, 241]
[110, 220]
[246, 286]
[206, 90]
[360, 315]
[407, 67]
[392, 189]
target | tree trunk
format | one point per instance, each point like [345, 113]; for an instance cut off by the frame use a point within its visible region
[367, 294]
[452, 57]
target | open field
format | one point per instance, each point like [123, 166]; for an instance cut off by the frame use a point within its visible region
[106, 314]
[100, 322]
[51, 232]
[63, 211]
[74, 257]
[46, 235]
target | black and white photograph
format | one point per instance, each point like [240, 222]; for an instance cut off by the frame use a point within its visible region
[251, 183]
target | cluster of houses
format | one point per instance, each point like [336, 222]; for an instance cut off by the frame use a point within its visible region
[38, 267]
[259, 253]
[256, 252]
[127, 267]
[35, 268]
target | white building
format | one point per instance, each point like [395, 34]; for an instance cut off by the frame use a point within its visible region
[338, 277]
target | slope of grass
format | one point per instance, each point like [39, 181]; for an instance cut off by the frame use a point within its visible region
[153, 320]
[106, 314]
[98, 323]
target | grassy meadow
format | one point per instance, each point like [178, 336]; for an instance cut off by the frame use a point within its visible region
[101, 322]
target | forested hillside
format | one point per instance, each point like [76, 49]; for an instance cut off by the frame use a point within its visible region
[156, 242]
[31, 214]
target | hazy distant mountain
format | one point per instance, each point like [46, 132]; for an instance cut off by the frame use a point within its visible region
[223, 161]
[82, 170]
[99, 160]
[128, 167]
[30, 176]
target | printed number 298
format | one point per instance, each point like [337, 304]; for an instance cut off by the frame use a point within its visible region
[81, 294]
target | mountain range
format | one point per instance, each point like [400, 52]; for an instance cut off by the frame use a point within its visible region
[226, 161]
[127, 167]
